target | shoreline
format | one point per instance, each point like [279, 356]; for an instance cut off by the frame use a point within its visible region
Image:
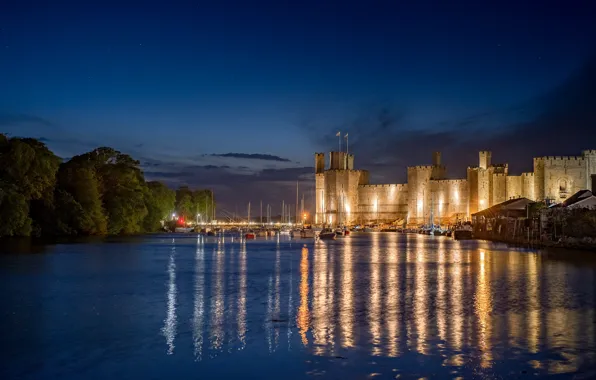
[538, 244]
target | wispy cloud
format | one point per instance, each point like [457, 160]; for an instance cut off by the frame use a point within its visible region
[8, 119]
[252, 156]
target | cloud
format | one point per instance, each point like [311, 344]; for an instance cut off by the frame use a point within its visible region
[559, 122]
[252, 156]
[235, 187]
[8, 119]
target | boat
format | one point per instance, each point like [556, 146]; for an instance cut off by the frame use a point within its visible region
[463, 231]
[184, 230]
[284, 231]
[261, 233]
[250, 236]
[327, 235]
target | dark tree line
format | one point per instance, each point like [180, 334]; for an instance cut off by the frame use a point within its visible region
[102, 192]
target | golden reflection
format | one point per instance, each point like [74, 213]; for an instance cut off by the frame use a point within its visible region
[420, 294]
[374, 307]
[533, 290]
[483, 306]
[514, 318]
[330, 304]
[320, 307]
[441, 295]
[217, 300]
[470, 316]
[303, 317]
[347, 301]
[199, 302]
[408, 297]
[241, 320]
[171, 322]
[392, 297]
[562, 325]
[457, 300]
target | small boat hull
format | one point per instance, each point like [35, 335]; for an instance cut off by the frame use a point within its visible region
[327, 236]
[249, 236]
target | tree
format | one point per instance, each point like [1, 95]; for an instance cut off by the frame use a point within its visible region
[78, 201]
[160, 201]
[14, 213]
[28, 165]
[184, 203]
[122, 188]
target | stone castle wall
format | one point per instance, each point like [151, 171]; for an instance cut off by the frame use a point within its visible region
[528, 188]
[514, 186]
[499, 188]
[449, 200]
[563, 176]
[383, 203]
[419, 193]
[344, 196]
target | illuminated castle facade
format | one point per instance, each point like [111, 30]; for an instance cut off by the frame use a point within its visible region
[344, 195]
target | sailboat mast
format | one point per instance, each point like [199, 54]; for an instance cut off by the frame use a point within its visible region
[296, 214]
[248, 220]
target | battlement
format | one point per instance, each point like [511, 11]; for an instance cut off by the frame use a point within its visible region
[386, 185]
[560, 158]
[421, 167]
[500, 174]
[345, 170]
[527, 174]
[459, 180]
[589, 151]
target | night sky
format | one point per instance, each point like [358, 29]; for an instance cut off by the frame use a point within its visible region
[237, 96]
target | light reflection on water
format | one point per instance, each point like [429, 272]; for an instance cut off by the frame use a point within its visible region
[389, 304]
[169, 328]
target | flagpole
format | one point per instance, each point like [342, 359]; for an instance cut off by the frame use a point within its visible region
[347, 145]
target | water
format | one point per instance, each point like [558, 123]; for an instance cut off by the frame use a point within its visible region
[381, 305]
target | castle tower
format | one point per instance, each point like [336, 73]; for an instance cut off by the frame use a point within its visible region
[437, 159]
[336, 201]
[485, 158]
[590, 157]
[438, 171]
[319, 163]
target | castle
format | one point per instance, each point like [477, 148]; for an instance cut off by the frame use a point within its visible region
[344, 195]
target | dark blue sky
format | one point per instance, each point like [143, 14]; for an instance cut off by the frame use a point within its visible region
[172, 83]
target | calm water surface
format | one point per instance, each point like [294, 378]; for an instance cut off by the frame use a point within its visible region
[381, 305]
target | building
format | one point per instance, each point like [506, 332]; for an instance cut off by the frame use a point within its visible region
[344, 195]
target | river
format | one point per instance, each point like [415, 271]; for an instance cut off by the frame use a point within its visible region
[379, 305]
